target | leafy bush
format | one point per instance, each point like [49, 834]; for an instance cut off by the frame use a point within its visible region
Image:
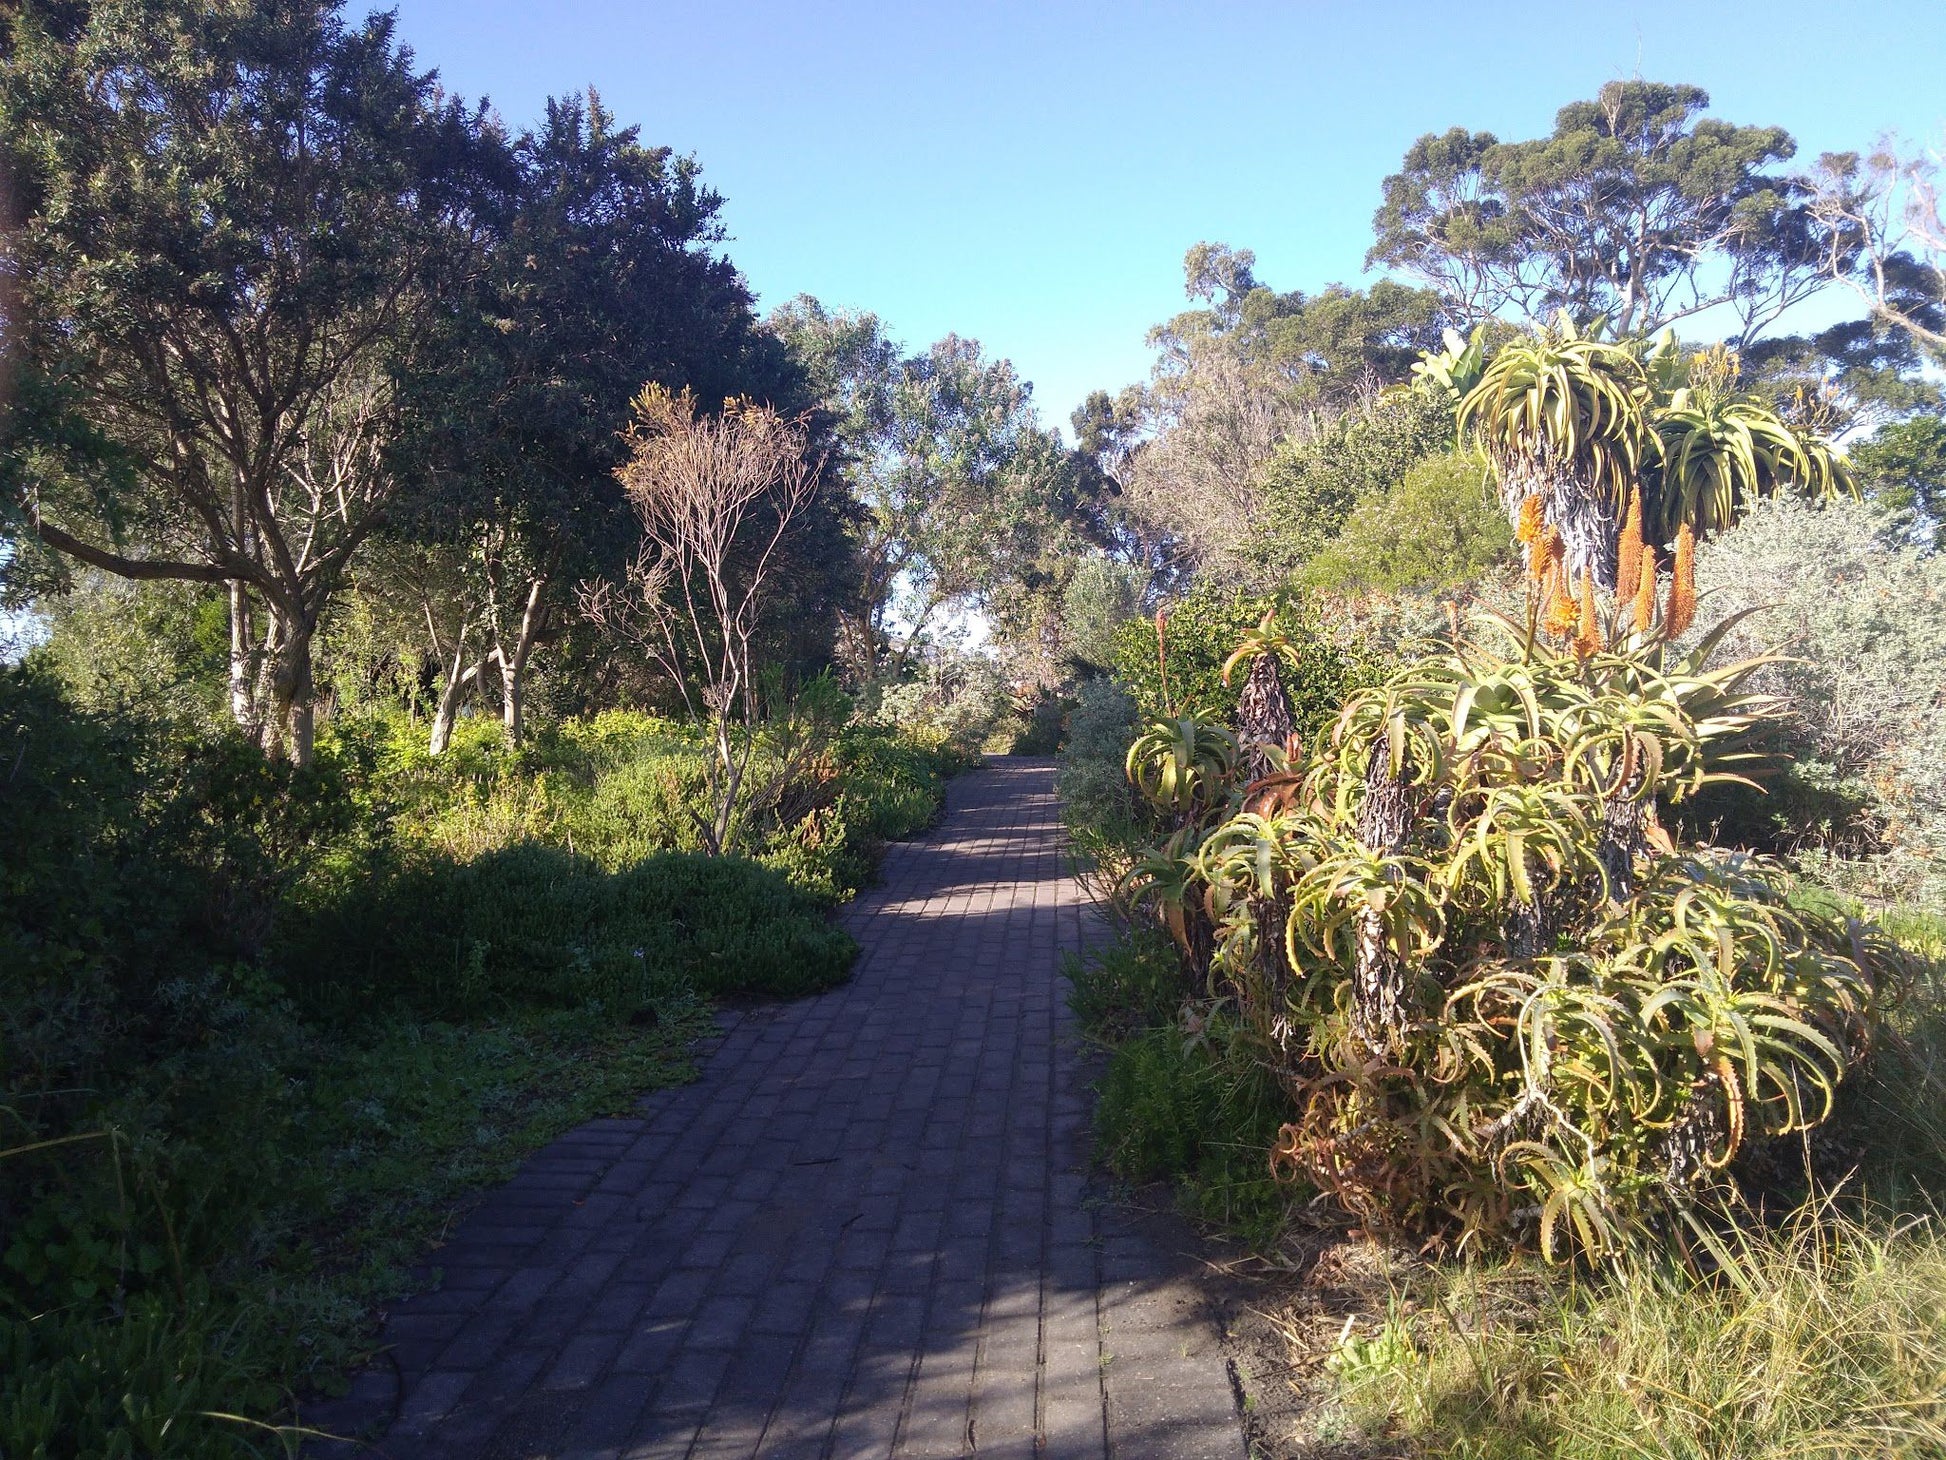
[534, 925]
[1202, 1114]
[1200, 632]
[1101, 597]
[1317, 479]
[1862, 614]
[1439, 527]
[956, 702]
[1040, 724]
[1132, 984]
[160, 649]
[1094, 787]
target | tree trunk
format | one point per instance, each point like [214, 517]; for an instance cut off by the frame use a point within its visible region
[287, 690]
[458, 677]
[1624, 820]
[1589, 532]
[1263, 716]
[243, 662]
[513, 666]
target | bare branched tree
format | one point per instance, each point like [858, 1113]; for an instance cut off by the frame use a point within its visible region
[717, 495]
[1885, 235]
[1214, 428]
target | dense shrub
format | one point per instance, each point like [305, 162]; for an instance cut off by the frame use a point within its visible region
[1861, 614]
[1101, 597]
[1201, 1114]
[162, 648]
[1440, 527]
[955, 701]
[1040, 723]
[1317, 479]
[1200, 632]
[534, 925]
[1496, 990]
[1097, 803]
[1131, 984]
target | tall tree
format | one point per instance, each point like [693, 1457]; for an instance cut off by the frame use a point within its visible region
[1313, 350]
[601, 274]
[1244, 372]
[1637, 208]
[1885, 237]
[232, 222]
[963, 495]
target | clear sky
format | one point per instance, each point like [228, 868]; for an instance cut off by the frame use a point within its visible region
[1031, 174]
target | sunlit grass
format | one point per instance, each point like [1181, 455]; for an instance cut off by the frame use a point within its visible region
[1831, 1342]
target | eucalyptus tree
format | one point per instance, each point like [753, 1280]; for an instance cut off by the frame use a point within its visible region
[233, 224]
[1637, 209]
[1885, 236]
[963, 497]
[1245, 372]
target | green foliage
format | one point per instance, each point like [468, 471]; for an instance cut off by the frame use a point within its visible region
[533, 925]
[1314, 482]
[1561, 404]
[160, 648]
[1039, 723]
[232, 1113]
[1439, 528]
[1202, 1114]
[1200, 631]
[188, 179]
[1903, 467]
[961, 493]
[1860, 784]
[332, 1188]
[1321, 348]
[1531, 227]
[1132, 984]
[956, 703]
[1719, 449]
[1100, 597]
[1096, 802]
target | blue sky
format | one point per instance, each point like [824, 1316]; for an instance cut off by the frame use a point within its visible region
[1030, 175]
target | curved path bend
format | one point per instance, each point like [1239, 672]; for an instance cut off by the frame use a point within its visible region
[868, 1230]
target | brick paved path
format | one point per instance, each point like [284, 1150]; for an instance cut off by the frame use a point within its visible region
[867, 1230]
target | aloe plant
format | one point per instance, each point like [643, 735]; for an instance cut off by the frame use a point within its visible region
[1563, 417]
[1719, 449]
[1602, 447]
[1506, 1004]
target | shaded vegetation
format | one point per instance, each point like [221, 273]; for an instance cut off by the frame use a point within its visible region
[266, 1027]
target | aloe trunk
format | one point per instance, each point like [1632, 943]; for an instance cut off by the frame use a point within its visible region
[1263, 717]
[1378, 1011]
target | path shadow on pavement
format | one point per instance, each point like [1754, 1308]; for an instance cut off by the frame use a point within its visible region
[867, 1229]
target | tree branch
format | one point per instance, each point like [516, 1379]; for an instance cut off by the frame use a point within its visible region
[126, 567]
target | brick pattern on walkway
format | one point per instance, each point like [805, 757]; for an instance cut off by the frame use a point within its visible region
[867, 1230]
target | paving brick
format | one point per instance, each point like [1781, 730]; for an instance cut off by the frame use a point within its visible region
[869, 1222]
